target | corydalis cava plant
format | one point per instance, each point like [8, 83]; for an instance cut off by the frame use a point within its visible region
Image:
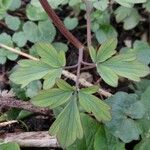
[109, 65]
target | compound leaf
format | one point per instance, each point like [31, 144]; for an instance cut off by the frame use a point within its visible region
[67, 126]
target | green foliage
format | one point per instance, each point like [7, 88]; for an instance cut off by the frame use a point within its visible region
[68, 126]
[69, 116]
[12, 22]
[124, 65]
[105, 141]
[83, 121]
[129, 16]
[4, 54]
[126, 109]
[49, 67]
[9, 146]
[90, 127]
[71, 23]
[92, 104]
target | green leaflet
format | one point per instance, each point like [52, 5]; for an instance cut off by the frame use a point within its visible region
[90, 90]
[51, 77]
[63, 85]
[124, 65]
[126, 108]
[145, 121]
[49, 55]
[90, 127]
[106, 50]
[51, 98]
[67, 127]
[105, 141]
[93, 104]
[49, 67]
[9, 146]
[28, 71]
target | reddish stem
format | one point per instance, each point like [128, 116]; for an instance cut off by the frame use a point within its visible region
[59, 24]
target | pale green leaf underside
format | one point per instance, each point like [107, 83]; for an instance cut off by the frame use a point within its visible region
[106, 50]
[9, 146]
[124, 65]
[64, 85]
[67, 126]
[51, 98]
[92, 104]
[51, 77]
[28, 71]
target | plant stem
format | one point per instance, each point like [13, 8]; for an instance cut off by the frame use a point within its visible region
[18, 52]
[88, 4]
[59, 24]
[13, 103]
[80, 59]
[88, 64]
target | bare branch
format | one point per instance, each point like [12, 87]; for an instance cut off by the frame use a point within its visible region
[31, 139]
[13, 103]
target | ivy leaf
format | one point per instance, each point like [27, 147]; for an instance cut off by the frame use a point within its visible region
[125, 110]
[9, 146]
[105, 32]
[132, 21]
[106, 50]
[35, 13]
[70, 23]
[122, 13]
[90, 127]
[31, 31]
[129, 16]
[67, 126]
[47, 31]
[15, 5]
[12, 22]
[105, 141]
[101, 5]
[19, 38]
[51, 98]
[94, 105]
[28, 71]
